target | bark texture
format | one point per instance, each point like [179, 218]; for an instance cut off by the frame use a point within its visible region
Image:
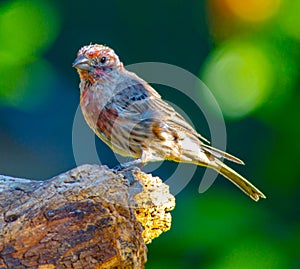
[89, 217]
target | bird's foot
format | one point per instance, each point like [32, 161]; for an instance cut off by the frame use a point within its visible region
[128, 169]
[129, 165]
[118, 168]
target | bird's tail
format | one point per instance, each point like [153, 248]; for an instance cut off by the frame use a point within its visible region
[236, 179]
[210, 157]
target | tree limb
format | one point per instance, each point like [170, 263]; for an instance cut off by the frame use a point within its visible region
[88, 217]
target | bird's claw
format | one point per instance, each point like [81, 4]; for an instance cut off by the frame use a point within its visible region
[127, 172]
[118, 168]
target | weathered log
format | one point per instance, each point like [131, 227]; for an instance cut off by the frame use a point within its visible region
[89, 217]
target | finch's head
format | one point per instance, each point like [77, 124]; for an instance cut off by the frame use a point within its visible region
[96, 62]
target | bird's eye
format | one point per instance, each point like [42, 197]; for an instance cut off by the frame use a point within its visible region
[103, 60]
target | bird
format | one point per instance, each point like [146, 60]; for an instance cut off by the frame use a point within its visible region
[131, 117]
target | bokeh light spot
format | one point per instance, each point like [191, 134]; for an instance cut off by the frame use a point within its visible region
[26, 27]
[253, 10]
[240, 76]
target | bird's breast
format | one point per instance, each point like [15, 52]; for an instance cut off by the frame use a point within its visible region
[93, 100]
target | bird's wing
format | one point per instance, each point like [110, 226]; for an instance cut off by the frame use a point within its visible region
[138, 101]
[176, 122]
[137, 98]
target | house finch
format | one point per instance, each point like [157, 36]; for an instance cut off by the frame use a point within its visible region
[129, 116]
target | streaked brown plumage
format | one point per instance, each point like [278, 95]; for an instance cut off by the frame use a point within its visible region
[130, 116]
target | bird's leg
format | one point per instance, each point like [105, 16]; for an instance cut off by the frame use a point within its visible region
[145, 157]
[124, 166]
[128, 168]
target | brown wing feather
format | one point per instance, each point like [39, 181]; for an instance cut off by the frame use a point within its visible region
[138, 101]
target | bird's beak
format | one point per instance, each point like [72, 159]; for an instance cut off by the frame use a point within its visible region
[82, 63]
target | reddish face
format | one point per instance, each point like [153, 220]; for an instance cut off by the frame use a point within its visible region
[96, 61]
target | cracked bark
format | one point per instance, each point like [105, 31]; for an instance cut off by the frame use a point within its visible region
[88, 217]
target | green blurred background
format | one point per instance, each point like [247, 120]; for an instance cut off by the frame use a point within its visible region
[247, 52]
